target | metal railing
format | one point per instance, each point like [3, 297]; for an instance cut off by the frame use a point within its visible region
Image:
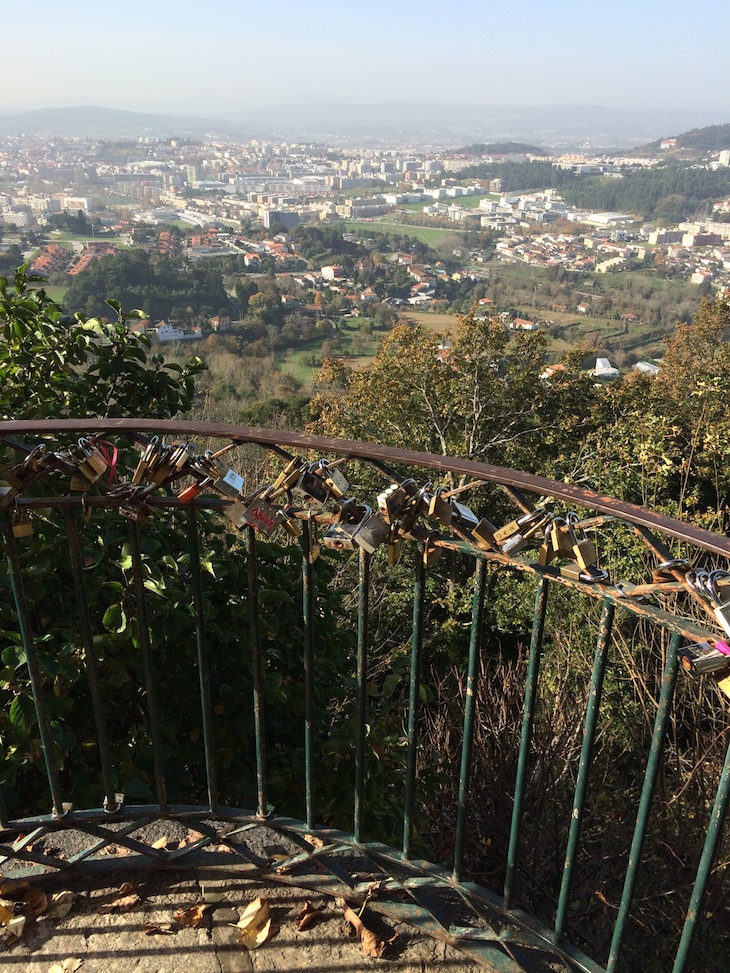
[487, 924]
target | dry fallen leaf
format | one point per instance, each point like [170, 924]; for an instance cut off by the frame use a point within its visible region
[126, 898]
[163, 929]
[309, 916]
[372, 944]
[190, 838]
[7, 911]
[14, 929]
[255, 923]
[314, 840]
[119, 850]
[161, 842]
[69, 965]
[36, 902]
[193, 916]
[60, 904]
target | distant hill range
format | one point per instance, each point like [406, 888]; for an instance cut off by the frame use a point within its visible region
[561, 127]
[503, 148]
[712, 138]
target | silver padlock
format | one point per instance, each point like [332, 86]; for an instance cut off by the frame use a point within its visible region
[262, 516]
[372, 533]
[721, 602]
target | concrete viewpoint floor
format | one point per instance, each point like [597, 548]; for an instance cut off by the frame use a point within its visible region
[117, 929]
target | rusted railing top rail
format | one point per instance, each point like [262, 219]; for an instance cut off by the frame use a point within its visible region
[573, 495]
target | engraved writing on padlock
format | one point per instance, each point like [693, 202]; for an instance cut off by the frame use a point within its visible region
[262, 516]
[372, 533]
[703, 658]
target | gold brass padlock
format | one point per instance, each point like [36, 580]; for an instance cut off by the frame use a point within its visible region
[440, 509]
[484, 534]
[22, 524]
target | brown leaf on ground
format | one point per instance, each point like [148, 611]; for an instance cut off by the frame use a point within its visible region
[314, 840]
[13, 929]
[161, 929]
[372, 943]
[125, 899]
[7, 911]
[194, 915]
[190, 838]
[309, 916]
[35, 902]
[59, 905]
[255, 923]
[69, 965]
[225, 849]
[119, 850]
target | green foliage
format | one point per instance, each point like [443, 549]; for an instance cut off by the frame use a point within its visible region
[71, 223]
[155, 284]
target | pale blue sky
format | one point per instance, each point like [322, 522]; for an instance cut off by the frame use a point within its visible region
[214, 56]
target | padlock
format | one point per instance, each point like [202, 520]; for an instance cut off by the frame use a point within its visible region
[483, 534]
[94, 456]
[135, 511]
[288, 478]
[341, 537]
[84, 468]
[547, 553]
[262, 516]
[333, 478]
[373, 531]
[230, 485]
[193, 491]
[504, 533]
[562, 537]
[236, 513]
[313, 546]
[291, 524]
[431, 554]
[22, 524]
[311, 487]
[7, 495]
[720, 600]
[463, 517]
[17, 476]
[140, 470]
[391, 502]
[395, 550]
[584, 554]
[440, 509]
[703, 657]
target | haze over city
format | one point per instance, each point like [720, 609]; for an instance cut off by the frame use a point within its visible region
[227, 56]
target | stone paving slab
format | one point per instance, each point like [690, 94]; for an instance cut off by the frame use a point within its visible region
[116, 942]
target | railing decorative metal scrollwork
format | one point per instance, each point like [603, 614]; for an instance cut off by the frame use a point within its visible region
[125, 465]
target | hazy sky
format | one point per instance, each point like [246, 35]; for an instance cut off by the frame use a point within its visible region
[213, 56]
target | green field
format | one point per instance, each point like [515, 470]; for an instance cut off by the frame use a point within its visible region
[431, 236]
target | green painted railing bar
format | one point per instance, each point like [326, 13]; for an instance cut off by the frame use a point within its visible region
[308, 621]
[34, 672]
[651, 773]
[149, 676]
[362, 676]
[533, 668]
[584, 767]
[475, 642]
[714, 833]
[414, 698]
[203, 668]
[92, 665]
[258, 686]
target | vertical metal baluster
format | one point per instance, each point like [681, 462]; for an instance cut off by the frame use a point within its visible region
[92, 665]
[414, 697]
[714, 833]
[533, 668]
[203, 671]
[647, 794]
[258, 683]
[149, 677]
[475, 641]
[34, 672]
[308, 621]
[362, 675]
[584, 767]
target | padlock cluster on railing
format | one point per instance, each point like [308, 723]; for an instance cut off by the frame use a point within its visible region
[313, 495]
